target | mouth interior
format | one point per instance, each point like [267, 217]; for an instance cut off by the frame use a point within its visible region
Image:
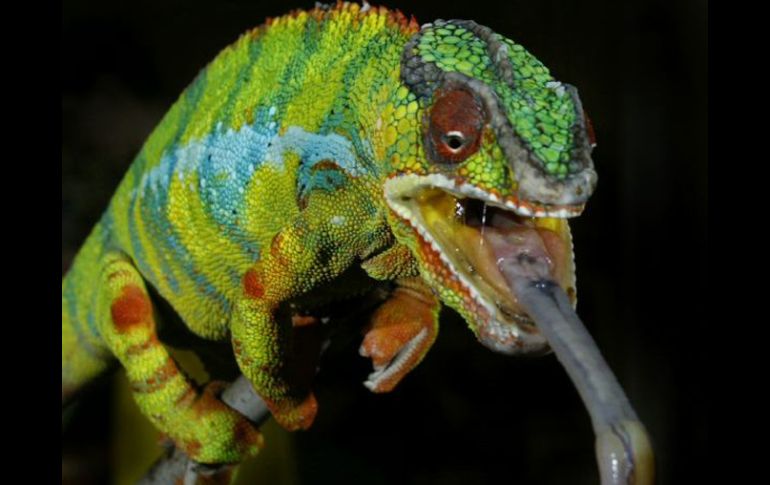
[482, 241]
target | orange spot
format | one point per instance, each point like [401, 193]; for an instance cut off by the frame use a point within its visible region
[277, 253]
[589, 129]
[144, 346]
[245, 435]
[326, 165]
[252, 284]
[275, 245]
[187, 398]
[293, 415]
[303, 320]
[131, 308]
[192, 447]
[208, 402]
[159, 378]
[237, 346]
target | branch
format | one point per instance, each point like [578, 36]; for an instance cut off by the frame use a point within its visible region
[176, 467]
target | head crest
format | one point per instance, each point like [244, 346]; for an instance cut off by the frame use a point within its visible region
[538, 121]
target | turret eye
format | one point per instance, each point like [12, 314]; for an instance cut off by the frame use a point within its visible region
[454, 126]
[454, 140]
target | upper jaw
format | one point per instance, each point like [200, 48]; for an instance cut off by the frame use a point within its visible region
[486, 302]
[408, 184]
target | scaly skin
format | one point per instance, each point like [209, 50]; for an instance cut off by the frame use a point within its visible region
[285, 164]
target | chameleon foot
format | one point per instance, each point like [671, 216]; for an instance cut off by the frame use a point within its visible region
[401, 332]
[229, 436]
[293, 415]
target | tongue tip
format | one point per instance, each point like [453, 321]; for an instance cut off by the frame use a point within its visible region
[624, 455]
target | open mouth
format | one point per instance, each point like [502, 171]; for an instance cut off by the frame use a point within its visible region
[475, 235]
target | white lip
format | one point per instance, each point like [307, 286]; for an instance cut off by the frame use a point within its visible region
[407, 184]
[495, 330]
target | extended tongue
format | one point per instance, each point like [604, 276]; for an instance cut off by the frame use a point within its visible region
[623, 449]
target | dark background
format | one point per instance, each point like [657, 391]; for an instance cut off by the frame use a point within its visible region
[465, 415]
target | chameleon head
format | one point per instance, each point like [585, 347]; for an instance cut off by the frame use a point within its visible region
[489, 156]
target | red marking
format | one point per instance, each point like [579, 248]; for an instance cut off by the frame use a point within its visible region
[187, 398]
[140, 348]
[241, 431]
[275, 251]
[237, 347]
[159, 378]
[252, 284]
[456, 122]
[448, 278]
[275, 244]
[207, 404]
[303, 320]
[209, 401]
[293, 415]
[396, 17]
[245, 435]
[131, 308]
[326, 165]
[192, 447]
[589, 129]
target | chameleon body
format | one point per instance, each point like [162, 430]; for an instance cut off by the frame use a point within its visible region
[339, 139]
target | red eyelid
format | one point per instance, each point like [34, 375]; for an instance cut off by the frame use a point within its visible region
[456, 110]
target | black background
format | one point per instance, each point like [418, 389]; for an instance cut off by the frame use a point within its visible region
[467, 415]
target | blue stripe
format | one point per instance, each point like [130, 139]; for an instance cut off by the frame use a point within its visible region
[69, 295]
[244, 77]
[137, 250]
[225, 163]
[154, 216]
[170, 246]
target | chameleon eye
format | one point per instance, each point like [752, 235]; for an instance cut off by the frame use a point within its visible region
[454, 140]
[454, 129]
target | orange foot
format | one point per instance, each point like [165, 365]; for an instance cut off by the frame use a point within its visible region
[293, 415]
[400, 334]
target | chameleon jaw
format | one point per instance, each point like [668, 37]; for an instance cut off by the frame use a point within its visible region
[457, 258]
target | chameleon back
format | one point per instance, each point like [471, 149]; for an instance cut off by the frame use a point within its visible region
[194, 211]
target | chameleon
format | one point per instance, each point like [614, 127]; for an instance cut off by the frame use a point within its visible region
[324, 153]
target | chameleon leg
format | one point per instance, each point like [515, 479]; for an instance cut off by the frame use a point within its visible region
[400, 333]
[299, 259]
[198, 422]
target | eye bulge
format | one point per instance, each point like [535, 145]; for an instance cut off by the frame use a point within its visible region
[455, 123]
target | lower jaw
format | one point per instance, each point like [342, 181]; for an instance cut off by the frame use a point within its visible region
[472, 255]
